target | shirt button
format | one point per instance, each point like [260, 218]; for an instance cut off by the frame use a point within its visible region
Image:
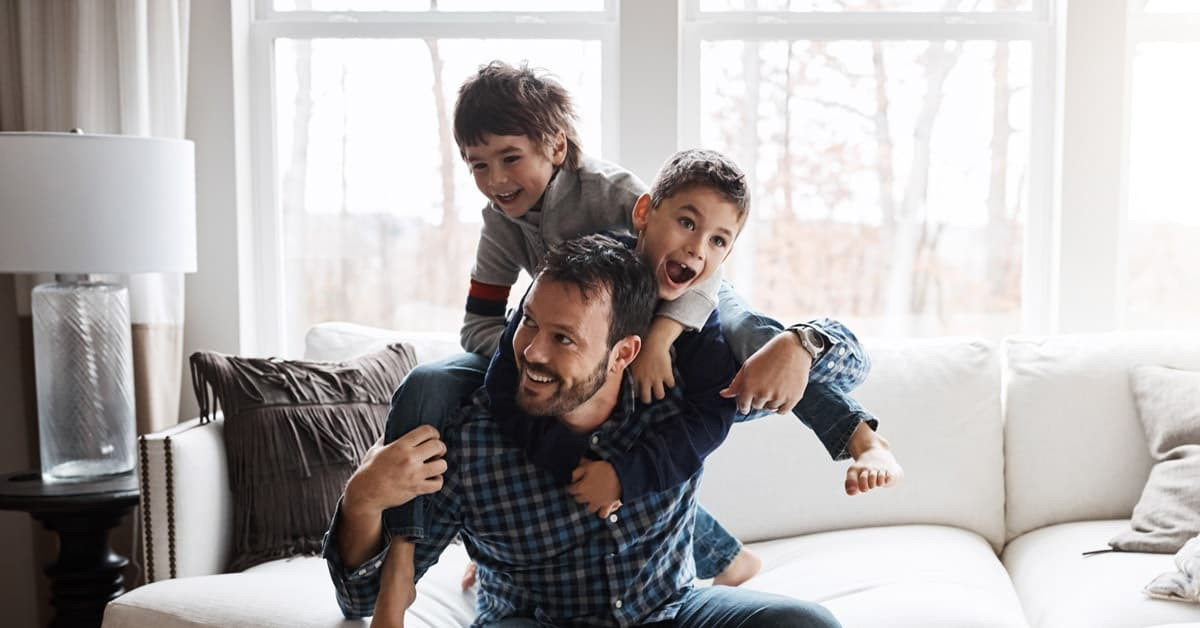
[842, 351]
[617, 604]
[612, 518]
[595, 439]
[829, 365]
[378, 564]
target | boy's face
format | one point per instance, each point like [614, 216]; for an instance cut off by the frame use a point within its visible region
[686, 238]
[512, 171]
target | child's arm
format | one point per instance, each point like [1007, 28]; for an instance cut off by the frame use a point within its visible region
[495, 271]
[671, 451]
[652, 370]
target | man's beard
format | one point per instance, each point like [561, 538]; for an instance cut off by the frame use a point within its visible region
[563, 400]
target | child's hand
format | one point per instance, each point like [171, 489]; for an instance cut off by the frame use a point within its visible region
[773, 378]
[652, 373]
[595, 483]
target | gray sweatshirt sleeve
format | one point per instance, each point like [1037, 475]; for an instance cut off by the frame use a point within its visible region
[693, 307]
[495, 271]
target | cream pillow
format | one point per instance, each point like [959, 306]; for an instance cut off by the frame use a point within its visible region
[1168, 513]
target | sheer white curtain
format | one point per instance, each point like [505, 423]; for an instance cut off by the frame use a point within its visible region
[107, 66]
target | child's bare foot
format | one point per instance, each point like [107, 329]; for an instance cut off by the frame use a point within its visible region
[744, 567]
[468, 580]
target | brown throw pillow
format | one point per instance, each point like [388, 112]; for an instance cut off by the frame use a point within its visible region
[294, 432]
[1168, 513]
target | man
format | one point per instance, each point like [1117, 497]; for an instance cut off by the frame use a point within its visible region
[542, 558]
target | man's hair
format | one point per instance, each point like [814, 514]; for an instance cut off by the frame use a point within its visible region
[696, 167]
[504, 100]
[596, 264]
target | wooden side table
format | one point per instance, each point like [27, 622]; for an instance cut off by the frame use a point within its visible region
[87, 573]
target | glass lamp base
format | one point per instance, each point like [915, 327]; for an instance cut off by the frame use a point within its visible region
[84, 361]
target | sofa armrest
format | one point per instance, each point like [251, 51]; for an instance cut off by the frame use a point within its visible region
[187, 507]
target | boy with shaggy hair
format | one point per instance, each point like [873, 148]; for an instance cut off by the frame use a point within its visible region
[515, 130]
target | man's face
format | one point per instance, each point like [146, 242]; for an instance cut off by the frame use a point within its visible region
[561, 347]
[513, 171]
[686, 238]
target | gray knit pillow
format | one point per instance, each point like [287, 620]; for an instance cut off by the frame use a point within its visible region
[1168, 513]
[294, 432]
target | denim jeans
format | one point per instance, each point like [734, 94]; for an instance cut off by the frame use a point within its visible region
[728, 607]
[429, 394]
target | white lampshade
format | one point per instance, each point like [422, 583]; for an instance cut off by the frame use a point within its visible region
[79, 203]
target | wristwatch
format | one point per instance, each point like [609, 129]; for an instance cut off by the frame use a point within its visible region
[811, 339]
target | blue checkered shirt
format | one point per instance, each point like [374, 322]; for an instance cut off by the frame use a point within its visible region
[540, 554]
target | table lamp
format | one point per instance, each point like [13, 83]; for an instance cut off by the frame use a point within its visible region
[79, 206]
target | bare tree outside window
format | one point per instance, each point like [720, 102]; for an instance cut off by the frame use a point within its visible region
[890, 176]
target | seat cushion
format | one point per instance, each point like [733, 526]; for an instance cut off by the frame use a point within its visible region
[913, 575]
[1061, 588]
[292, 593]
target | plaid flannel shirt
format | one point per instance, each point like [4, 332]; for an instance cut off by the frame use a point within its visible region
[540, 554]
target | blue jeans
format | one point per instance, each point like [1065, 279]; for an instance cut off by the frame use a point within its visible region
[428, 394]
[728, 607]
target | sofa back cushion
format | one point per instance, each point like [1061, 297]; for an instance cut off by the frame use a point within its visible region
[336, 341]
[1074, 445]
[938, 403]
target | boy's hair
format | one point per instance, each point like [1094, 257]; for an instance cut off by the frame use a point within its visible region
[597, 262]
[504, 100]
[704, 168]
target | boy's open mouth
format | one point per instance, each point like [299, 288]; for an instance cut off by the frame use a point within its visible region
[508, 198]
[679, 273]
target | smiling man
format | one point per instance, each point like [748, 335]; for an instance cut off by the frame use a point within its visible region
[543, 558]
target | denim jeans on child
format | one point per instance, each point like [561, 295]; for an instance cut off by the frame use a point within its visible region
[429, 394]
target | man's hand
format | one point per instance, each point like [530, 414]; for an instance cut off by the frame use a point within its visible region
[595, 483]
[652, 372]
[773, 378]
[390, 475]
[874, 465]
[393, 474]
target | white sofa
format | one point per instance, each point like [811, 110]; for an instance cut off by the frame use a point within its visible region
[1019, 456]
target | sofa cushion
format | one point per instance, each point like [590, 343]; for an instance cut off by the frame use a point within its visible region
[938, 402]
[294, 432]
[291, 593]
[898, 576]
[1168, 513]
[1073, 392]
[1061, 588]
[337, 341]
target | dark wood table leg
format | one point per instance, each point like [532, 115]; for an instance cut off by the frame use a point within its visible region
[87, 574]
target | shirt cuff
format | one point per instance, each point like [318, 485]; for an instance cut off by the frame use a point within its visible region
[329, 551]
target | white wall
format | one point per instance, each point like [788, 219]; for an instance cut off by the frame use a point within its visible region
[217, 113]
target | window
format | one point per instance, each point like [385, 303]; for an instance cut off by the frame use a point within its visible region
[1161, 269]
[377, 216]
[890, 156]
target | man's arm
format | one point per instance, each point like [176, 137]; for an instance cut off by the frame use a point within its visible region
[390, 475]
